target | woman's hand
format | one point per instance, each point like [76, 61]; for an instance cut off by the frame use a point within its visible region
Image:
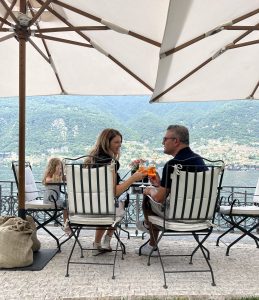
[138, 176]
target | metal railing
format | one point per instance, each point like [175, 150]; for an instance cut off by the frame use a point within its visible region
[243, 196]
[9, 202]
[8, 198]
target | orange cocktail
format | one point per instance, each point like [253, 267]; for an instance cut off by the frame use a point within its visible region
[143, 169]
[151, 171]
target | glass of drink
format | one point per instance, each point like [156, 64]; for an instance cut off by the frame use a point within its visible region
[151, 172]
[143, 169]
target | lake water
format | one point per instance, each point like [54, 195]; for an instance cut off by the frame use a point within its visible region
[241, 178]
[231, 178]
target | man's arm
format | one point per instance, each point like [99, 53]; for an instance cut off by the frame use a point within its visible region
[158, 194]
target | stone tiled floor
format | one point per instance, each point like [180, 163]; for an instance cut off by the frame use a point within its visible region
[235, 275]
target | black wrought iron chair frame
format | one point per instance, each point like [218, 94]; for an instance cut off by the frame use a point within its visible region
[88, 209]
[52, 214]
[206, 213]
[236, 219]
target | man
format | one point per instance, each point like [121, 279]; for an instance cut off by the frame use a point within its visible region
[176, 143]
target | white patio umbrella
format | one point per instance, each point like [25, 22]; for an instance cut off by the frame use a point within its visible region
[90, 47]
[210, 51]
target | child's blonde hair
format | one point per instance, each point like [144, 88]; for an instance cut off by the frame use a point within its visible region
[51, 168]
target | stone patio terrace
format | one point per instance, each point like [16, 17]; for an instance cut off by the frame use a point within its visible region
[235, 275]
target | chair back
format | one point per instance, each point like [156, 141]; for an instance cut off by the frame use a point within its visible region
[195, 192]
[31, 190]
[256, 194]
[90, 190]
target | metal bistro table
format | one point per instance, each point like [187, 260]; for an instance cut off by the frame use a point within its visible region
[137, 189]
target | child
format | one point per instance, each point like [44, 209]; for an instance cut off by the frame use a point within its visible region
[52, 175]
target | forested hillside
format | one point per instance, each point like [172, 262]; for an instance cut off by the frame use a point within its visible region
[71, 123]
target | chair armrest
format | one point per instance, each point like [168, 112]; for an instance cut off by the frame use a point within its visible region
[40, 191]
[51, 198]
[232, 205]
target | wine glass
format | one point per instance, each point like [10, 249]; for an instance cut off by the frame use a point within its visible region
[143, 169]
[151, 172]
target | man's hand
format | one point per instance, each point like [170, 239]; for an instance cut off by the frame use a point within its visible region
[157, 194]
[149, 191]
[155, 181]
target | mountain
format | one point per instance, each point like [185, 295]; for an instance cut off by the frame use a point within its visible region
[71, 123]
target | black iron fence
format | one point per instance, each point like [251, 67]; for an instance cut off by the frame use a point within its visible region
[244, 195]
[8, 198]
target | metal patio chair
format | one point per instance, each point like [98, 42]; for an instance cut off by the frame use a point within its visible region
[237, 216]
[190, 210]
[91, 204]
[42, 213]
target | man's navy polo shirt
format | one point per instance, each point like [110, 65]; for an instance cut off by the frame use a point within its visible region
[184, 157]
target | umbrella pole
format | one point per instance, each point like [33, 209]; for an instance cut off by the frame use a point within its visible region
[22, 106]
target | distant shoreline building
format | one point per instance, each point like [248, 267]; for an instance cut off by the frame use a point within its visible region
[242, 167]
[5, 154]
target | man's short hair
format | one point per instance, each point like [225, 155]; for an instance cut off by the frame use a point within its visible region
[181, 132]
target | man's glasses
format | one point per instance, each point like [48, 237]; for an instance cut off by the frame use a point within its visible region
[168, 138]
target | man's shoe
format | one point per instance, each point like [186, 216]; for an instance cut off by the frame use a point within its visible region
[106, 245]
[146, 250]
[97, 249]
[142, 226]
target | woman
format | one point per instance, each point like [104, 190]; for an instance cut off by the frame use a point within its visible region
[106, 149]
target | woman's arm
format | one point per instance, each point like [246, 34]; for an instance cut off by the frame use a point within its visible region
[122, 187]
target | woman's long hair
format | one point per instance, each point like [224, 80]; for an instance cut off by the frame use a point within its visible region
[102, 145]
[51, 168]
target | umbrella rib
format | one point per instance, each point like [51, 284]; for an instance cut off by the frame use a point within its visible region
[251, 96]
[248, 15]
[98, 48]
[145, 39]
[130, 72]
[39, 50]
[50, 61]
[182, 46]
[4, 29]
[7, 37]
[4, 21]
[182, 79]
[97, 19]
[78, 11]
[243, 35]
[209, 33]
[65, 21]
[9, 11]
[39, 12]
[221, 51]
[255, 27]
[233, 46]
[61, 29]
[52, 38]
[49, 55]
